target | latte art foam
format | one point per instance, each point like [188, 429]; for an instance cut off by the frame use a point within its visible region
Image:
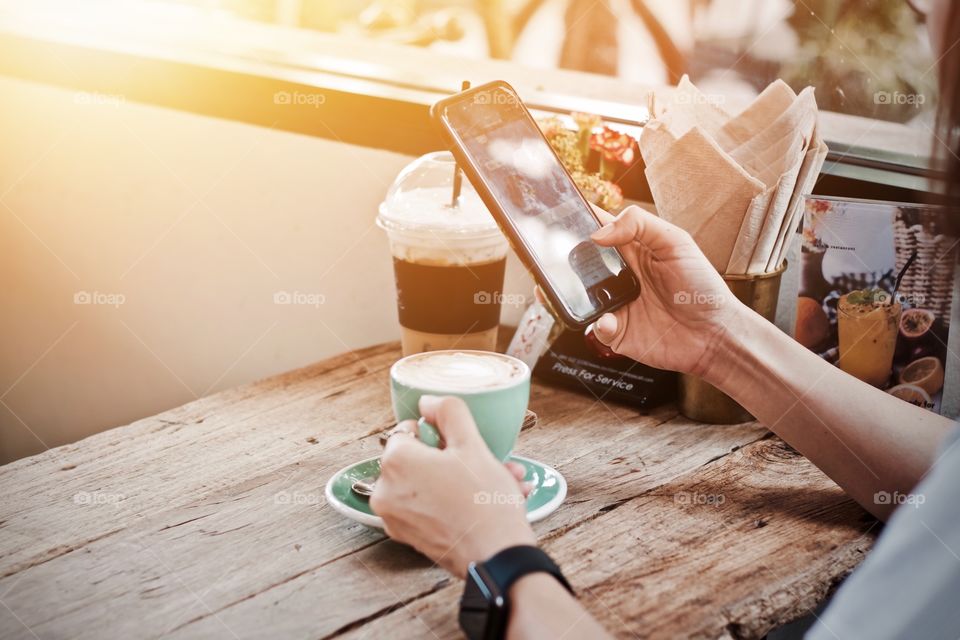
[458, 372]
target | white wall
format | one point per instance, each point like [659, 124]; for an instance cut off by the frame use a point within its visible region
[197, 223]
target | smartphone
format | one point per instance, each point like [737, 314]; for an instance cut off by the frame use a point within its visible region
[548, 222]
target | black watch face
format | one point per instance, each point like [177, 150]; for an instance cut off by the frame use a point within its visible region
[474, 608]
[483, 611]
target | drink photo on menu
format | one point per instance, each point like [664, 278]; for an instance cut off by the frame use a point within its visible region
[876, 293]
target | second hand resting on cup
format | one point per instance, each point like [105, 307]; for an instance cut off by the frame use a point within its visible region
[457, 504]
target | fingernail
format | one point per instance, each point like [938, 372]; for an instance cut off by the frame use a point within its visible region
[602, 232]
[405, 428]
[428, 402]
[607, 324]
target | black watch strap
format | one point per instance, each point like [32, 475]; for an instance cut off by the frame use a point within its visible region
[511, 564]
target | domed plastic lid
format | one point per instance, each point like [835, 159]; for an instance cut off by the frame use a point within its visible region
[420, 200]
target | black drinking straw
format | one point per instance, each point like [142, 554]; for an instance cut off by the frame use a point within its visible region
[457, 176]
[903, 272]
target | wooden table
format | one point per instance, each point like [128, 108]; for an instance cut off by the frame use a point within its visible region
[209, 521]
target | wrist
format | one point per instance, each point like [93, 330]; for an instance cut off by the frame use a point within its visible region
[487, 544]
[541, 607]
[533, 583]
[721, 358]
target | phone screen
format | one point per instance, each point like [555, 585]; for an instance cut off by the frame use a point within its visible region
[522, 173]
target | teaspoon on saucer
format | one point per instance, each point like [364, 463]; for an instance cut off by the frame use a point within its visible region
[364, 486]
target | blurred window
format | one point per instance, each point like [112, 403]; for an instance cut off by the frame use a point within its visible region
[867, 58]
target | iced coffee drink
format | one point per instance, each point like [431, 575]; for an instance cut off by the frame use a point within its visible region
[448, 259]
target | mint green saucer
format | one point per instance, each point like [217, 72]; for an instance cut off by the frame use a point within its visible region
[549, 490]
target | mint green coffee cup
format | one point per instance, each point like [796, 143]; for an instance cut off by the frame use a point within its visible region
[495, 387]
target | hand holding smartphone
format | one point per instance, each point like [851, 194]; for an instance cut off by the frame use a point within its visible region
[528, 191]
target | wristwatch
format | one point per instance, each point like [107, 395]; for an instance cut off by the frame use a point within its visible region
[485, 605]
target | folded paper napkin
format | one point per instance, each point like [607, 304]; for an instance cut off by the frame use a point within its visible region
[735, 183]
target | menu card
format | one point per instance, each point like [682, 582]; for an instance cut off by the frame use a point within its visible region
[847, 310]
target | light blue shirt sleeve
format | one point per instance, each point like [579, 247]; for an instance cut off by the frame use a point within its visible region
[909, 585]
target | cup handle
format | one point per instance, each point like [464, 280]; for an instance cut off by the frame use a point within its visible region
[428, 434]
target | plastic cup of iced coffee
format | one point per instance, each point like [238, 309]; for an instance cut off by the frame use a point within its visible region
[448, 259]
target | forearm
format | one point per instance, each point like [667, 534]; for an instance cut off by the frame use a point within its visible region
[863, 438]
[542, 608]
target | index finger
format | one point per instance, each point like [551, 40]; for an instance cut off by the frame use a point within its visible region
[452, 418]
[635, 224]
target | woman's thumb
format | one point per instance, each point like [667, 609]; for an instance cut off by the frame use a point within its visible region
[609, 329]
[636, 225]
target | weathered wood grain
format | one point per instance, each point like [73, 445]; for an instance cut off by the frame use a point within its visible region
[289, 605]
[734, 548]
[209, 520]
[176, 457]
